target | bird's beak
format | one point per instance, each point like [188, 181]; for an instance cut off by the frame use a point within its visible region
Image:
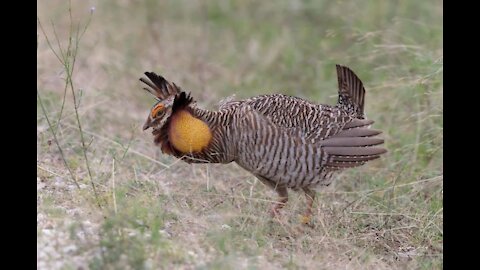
[147, 124]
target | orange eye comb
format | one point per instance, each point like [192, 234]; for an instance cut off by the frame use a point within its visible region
[157, 109]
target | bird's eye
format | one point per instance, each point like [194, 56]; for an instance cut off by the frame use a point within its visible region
[157, 110]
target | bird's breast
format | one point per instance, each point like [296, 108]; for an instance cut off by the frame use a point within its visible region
[187, 133]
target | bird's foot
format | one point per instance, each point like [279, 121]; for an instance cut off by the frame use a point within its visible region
[306, 220]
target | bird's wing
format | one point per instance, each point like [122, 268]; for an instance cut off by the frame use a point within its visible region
[313, 121]
[344, 145]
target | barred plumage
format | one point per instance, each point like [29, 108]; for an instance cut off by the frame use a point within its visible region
[285, 141]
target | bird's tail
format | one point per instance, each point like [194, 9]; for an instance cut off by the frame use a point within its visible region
[354, 145]
[351, 93]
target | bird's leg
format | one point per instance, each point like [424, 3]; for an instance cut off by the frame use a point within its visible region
[310, 195]
[282, 201]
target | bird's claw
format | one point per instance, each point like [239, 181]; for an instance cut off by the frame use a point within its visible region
[306, 219]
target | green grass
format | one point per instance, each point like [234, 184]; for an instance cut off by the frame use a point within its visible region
[151, 211]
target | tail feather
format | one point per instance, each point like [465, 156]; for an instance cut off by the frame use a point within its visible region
[355, 144]
[358, 132]
[339, 163]
[354, 151]
[351, 93]
[353, 158]
[349, 157]
[351, 141]
[356, 123]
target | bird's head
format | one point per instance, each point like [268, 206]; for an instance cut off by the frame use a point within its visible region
[165, 93]
[159, 114]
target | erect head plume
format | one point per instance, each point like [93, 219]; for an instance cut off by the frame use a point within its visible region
[159, 86]
[165, 93]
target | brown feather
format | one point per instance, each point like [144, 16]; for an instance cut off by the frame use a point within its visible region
[351, 91]
[355, 151]
[358, 123]
[160, 87]
[358, 132]
[349, 141]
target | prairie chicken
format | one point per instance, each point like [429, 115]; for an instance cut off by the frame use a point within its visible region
[285, 141]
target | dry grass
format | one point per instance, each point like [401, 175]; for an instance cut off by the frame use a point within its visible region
[152, 211]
